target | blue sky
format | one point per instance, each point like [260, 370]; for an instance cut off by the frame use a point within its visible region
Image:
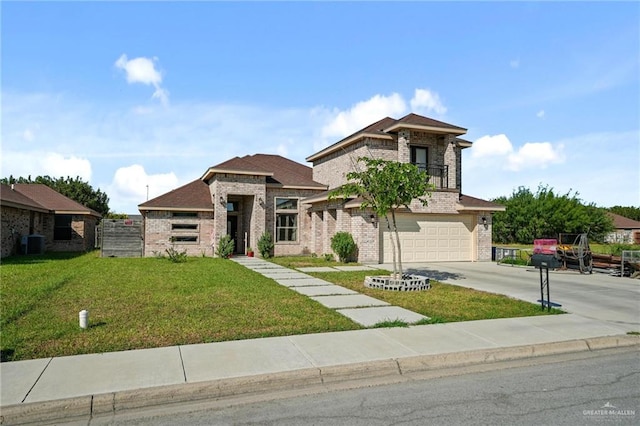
[129, 95]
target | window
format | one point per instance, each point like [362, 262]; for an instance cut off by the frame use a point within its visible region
[419, 157]
[62, 227]
[184, 239]
[286, 219]
[184, 226]
[232, 206]
[185, 214]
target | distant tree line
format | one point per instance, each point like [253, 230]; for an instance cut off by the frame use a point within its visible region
[74, 188]
[545, 214]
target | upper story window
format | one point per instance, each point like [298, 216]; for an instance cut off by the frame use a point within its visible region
[419, 157]
[62, 227]
[286, 219]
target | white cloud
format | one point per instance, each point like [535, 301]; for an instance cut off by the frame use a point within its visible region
[540, 114]
[425, 102]
[364, 113]
[130, 185]
[498, 151]
[490, 146]
[143, 70]
[535, 155]
[42, 163]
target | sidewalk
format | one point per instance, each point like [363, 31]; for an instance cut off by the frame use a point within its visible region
[94, 384]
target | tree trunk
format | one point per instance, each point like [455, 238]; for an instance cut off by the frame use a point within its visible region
[395, 231]
[393, 248]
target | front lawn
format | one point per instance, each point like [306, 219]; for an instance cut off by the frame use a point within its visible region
[152, 302]
[144, 303]
[443, 302]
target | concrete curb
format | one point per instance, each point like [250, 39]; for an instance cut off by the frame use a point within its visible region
[111, 403]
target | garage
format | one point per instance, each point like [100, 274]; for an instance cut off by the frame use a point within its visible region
[432, 238]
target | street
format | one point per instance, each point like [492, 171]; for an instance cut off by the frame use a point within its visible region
[579, 388]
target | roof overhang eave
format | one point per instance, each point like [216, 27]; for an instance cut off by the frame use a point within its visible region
[461, 208]
[281, 186]
[176, 209]
[212, 171]
[82, 212]
[432, 129]
[24, 207]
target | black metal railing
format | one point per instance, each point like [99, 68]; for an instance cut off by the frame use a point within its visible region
[438, 174]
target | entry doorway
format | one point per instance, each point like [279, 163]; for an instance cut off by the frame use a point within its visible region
[232, 230]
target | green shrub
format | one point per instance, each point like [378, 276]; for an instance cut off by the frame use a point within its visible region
[174, 255]
[328, 257]
[225, 246]
[342, 243]
[265, 245]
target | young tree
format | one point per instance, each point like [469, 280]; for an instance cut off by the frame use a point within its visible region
[384, 186]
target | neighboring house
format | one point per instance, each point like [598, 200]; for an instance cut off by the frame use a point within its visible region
[36, 209]
[244, 197]
[627, 231]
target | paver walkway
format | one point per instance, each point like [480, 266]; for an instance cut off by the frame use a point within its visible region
[365, 310]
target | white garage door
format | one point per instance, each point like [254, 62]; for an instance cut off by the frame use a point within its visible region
[431, 238]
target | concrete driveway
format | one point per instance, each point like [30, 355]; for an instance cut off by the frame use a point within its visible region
[598, 296]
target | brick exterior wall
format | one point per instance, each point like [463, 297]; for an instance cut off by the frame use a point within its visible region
[484, 239]
[16, 223]
[332, 169]
[158, 232]
[255, 201]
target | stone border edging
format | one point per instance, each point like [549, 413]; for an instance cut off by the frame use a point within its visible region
[112, 403]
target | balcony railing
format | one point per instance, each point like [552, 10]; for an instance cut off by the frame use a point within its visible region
[438, 174]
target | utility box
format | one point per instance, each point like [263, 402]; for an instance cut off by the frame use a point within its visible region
[32, 244]
[550, 261]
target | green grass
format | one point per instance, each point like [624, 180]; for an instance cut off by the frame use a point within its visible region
[152, 302]
[306, 261]
[443, 302]
[144, 303]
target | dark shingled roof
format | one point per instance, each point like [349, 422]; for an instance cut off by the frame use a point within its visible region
[284, 171]
[621, 222]
[388, 125]
[478, 203]
[12, 198]
[51, 199]
[419, 120]
[194, 195]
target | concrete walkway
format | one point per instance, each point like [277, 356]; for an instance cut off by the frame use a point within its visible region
[97, 385]
[362, 309]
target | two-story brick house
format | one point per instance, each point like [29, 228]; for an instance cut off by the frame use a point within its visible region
[244, 197]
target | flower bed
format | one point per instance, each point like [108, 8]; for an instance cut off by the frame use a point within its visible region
[407, 283]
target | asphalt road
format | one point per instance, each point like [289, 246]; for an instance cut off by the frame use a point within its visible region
[583, 388]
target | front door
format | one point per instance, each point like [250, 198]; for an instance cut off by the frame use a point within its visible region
[232, 230]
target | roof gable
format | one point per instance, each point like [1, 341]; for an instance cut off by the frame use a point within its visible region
[52, 200]
[193, 196]
[387, 126]
[277, 169]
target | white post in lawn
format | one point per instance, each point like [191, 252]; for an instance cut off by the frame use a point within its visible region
[84, 318]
